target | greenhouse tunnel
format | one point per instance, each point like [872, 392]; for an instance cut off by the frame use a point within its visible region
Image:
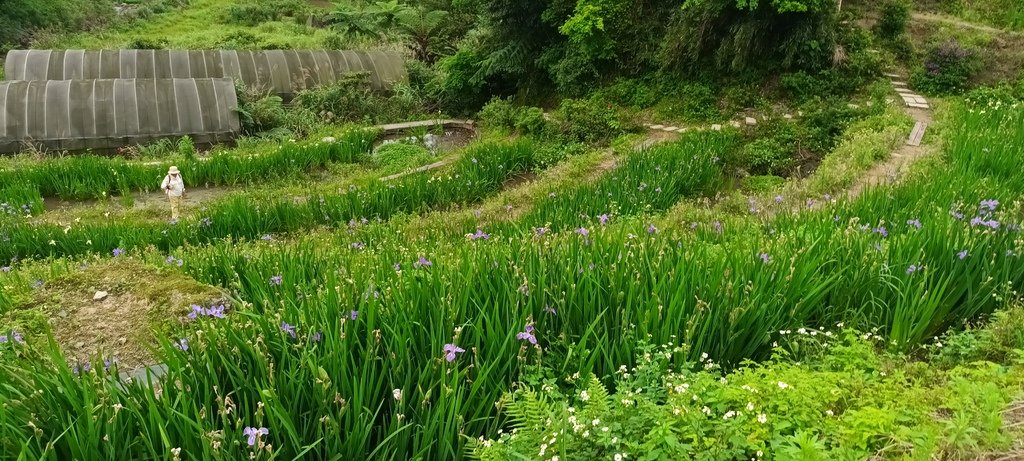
[109, 113]
[282, 72]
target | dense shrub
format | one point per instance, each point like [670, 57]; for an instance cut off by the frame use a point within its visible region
[823, 122]
[352, 99]
[501, 114]
[589, 121]
[498, 114]
[630, 92]
[947, 69]
[769, 156]
[254, 13]
[459, 86]
[260, 114]
[691, 102]
[893, 19]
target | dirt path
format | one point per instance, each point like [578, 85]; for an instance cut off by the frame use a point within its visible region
[952, 21]
[899, 160]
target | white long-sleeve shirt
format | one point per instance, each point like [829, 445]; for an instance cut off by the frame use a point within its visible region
[173, 186]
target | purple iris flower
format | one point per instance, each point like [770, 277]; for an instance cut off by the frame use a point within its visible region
[276, 280]
[5, 269]
[353, 315]
[196, 312]
[398, 267]
[765, 258]
[117, 252]
[182, 344]
[603, 219]
[480, 234]
[778, 199]
[358, 245]
[527, 335]
[881, 230]
[216, 312]
[450, 350]
[290, 329]
[963, 254]
[651, 229]
[718, 226]
[317, 337]
[540, 231]
[916, 223]
[550, 310]
[989, 205]
[913, 268]
[267, 237]
[253, 433]
[422, 262]
[956, 215]
[80, 368]
[583, 231]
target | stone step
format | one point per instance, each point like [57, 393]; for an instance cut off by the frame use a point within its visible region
[917, 134]
[657, 127]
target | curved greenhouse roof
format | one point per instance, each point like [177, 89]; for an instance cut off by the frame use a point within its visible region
[284, 72]
[109, 113]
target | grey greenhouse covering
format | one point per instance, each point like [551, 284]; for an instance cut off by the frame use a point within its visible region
[109, 113]
[284, 72]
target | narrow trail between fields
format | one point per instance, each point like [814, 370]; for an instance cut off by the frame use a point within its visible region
[891, 169]
[457, 134]
[952, 21]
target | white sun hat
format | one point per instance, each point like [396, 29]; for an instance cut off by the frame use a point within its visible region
[173, 170]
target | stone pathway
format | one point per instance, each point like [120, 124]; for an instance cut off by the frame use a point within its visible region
[890, 170]
[910, 98]
[747, 121]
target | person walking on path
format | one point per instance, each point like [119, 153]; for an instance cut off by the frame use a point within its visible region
[174, 187]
